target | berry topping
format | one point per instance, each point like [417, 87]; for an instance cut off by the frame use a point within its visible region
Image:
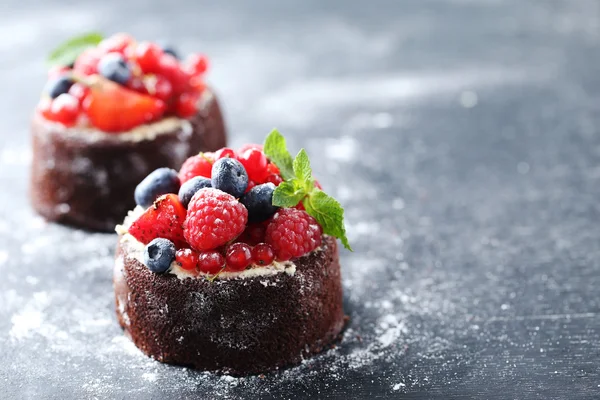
[147, 55]
[293, 233]
[114, 108]
[79, 92]
[263, 254]
[164, 85]
[157, 183]
[225, 152]
[274, 179]
[163, 219]
[189, 188]
[64, 109]
[255, 163]
[159, 254]
[213, 219]
[187, 259]
[87, 62]
[199, 165]
[197, 64]
[186, 105]
[117, 43]
[58, 86]
[168, 49]
[114, 67]
[211, 262]
[254, 234]
[238, 257]
[259, 202]
[229, 176]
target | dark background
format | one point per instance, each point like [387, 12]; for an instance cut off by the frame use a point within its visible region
[462, 138]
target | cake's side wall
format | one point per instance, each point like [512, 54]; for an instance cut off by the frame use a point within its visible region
[244, 326]
[91, 183]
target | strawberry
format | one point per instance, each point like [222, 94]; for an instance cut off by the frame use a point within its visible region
[114, 108]
[164, 219]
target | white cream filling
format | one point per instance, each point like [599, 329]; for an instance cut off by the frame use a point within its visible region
[136, 250]
[137, 134]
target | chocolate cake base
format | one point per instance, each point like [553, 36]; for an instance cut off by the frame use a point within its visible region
[87, 179]
[237, 326]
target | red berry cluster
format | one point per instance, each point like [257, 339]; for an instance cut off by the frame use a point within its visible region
[214, 234]
[158, 85]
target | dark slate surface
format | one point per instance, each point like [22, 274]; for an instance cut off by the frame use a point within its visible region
[462, 136]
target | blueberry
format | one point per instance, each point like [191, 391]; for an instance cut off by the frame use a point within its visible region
[114, 67]
[58, 86]
[170, 50]
[159, 182]
[229, 175]
[189, 189]
[259, 202]
[159, 254]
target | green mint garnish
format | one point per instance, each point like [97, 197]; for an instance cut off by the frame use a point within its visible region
[299, 186]
[67, 52]
[276, 149]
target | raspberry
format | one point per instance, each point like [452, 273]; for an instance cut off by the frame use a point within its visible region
[293, 233]
[211, 262]
[239, 256]
[164, 219]
[117, 43]
[187, 259]
[199, 165]
[79, 91]
[87, 61]
[263, 254]
[214, 218]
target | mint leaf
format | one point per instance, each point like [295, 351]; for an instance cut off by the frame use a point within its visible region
[67, 52]
[288, 193]
[276, 150]
[328, 213]
[302, 168]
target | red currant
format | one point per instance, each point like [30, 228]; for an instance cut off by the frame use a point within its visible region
[197, 64]
[148, 56]
[186, 105]
[273, 169]
[225, 152]
[239, 256]
[263, 254]
[64, 109]
[187, 259]
[274, 179]
[255, 163]
[211, 262]
[79, 91]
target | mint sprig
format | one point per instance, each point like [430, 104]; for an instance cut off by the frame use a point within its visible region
[67, 52]
[299, 186]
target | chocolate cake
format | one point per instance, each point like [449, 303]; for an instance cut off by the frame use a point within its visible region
[86, 178]
[231, 264]
[236, 326]
[115, 109]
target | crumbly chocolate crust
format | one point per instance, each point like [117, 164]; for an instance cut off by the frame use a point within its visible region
[236, 326]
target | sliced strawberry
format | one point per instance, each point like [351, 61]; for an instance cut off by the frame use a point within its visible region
[164, 219]
[114, 108]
